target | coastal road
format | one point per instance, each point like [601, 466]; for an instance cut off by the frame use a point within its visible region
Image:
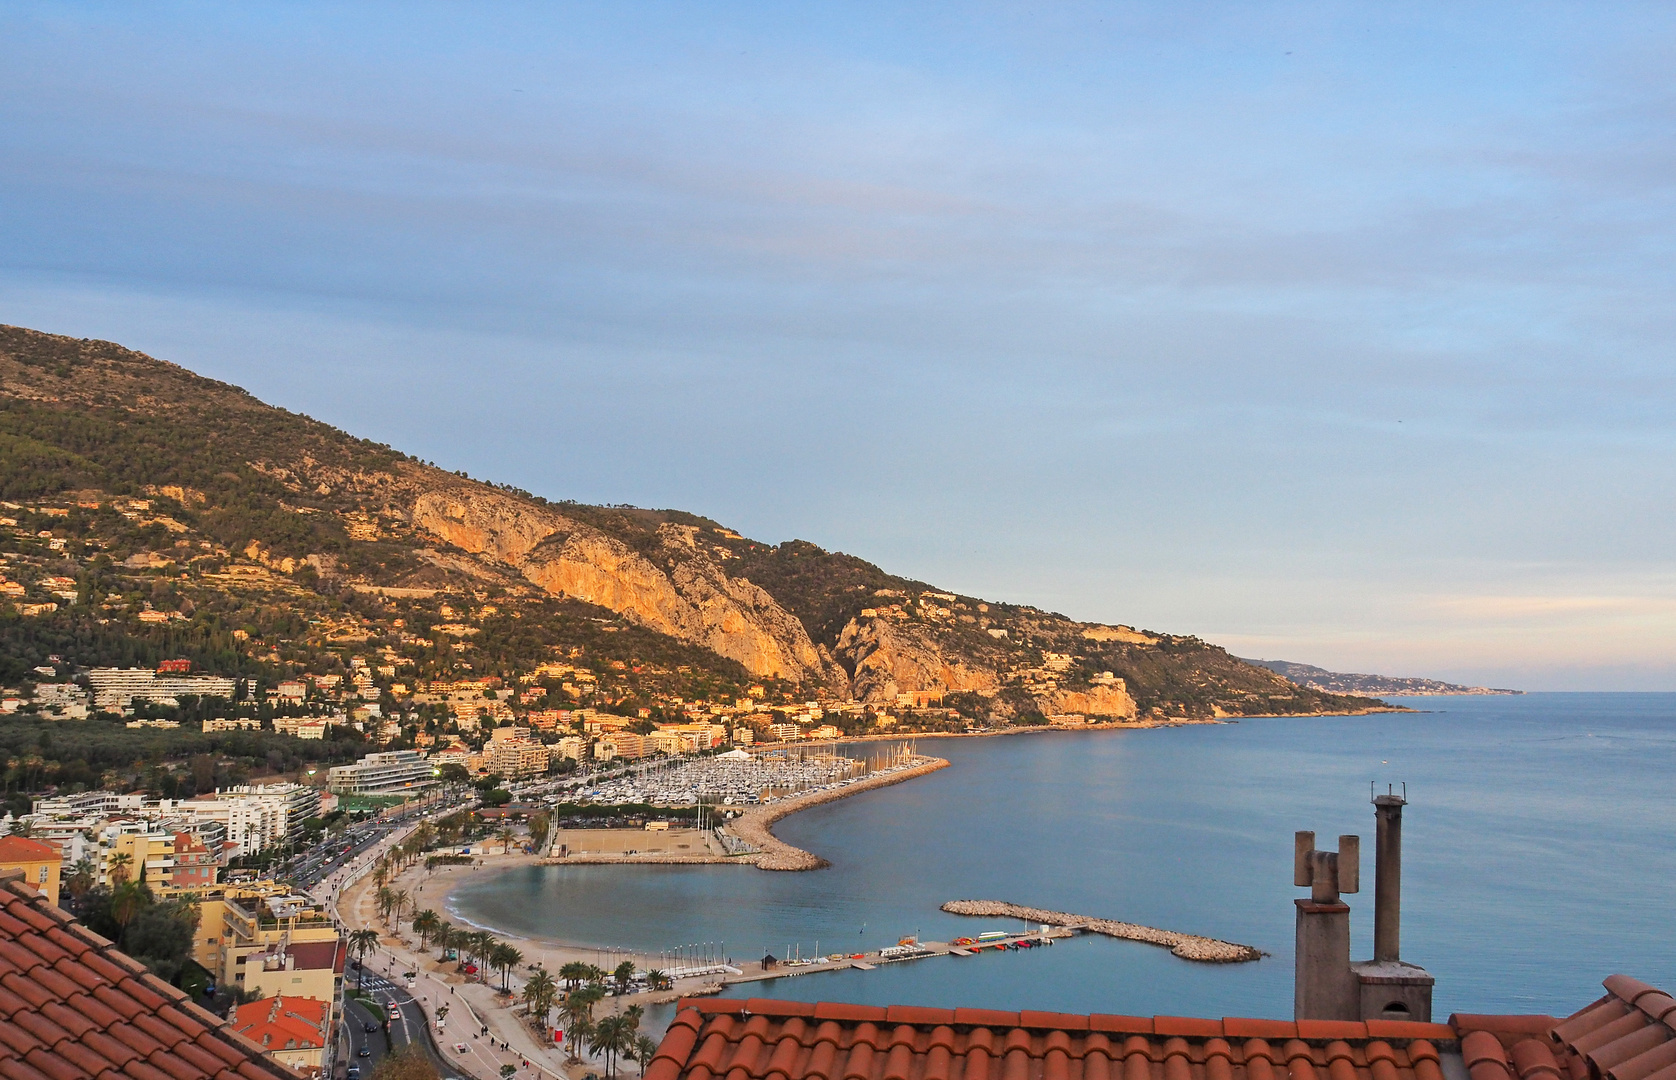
[355, 1019]
[409, 1028]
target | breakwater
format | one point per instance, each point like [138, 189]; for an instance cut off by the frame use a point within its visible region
[1187, 946]
[754, 825]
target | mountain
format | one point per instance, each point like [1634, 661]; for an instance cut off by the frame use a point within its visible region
[1338, 682]
[199, 522]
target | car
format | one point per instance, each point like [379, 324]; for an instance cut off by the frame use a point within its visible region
[354, 1072]
[369, 1026]
[365, 1051]
[461, 1047]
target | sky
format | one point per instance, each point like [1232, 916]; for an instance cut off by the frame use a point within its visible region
[1335, 333]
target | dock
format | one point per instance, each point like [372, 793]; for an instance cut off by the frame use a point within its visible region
[894, 954]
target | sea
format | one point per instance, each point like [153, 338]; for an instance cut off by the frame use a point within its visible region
[1539, 857]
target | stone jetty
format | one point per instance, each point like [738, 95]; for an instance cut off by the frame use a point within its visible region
[1187, 946]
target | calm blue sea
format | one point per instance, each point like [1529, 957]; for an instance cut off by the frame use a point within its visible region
[1539, 858]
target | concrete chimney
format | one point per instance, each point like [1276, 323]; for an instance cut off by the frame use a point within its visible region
[1389, 988]
[1324, 986]
[1387, 876]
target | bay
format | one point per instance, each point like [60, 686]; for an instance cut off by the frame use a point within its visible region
[1538, 859]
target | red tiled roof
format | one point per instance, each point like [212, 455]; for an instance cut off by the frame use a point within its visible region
[22, 849]
[284, 1023]
[1630, 1034]
[72, 1008]
[786, 1040]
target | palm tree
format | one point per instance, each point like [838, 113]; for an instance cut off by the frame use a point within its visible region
[82, 878]
[611, 1036]
[539, 994]
[540, 826]
[573, 974]
[657, 980]
[506, 958]
[579, 1017]
[361, 941]
[506, 838]
[425, 924]
[645, 1049]
[117, 868]
[482, 946]
[385, 897]
[623, 976]
[381, 872]
[445, 936]
[127, 898]
[398, 901]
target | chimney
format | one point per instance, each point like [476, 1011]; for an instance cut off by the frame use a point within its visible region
[1387, 875]
[1325, 988]
[1389, 988]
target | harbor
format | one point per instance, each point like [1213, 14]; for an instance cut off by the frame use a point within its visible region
[741, 778]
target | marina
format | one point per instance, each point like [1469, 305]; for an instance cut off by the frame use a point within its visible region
[742, 778]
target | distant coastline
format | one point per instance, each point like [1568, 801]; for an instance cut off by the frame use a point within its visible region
[1380, 686]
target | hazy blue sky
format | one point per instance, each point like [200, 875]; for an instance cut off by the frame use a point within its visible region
[1330, 332]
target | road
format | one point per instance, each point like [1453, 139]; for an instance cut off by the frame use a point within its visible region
[407, 1027]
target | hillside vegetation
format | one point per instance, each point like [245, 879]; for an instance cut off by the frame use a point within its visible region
[273, 544]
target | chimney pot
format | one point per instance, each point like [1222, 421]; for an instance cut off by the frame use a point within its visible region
[1303, 865]
[1349, 864]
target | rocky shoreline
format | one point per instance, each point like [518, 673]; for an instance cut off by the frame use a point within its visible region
[1187, 946]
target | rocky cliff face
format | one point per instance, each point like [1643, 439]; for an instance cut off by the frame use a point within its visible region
[889, 659]
[1112, 702]
[677, 588]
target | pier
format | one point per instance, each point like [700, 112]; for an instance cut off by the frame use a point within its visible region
[1187, 946]
[906, 951]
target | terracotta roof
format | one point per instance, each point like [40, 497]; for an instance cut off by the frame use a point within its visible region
[284, 1023]
[72, 1008]
[22, 849]
[788, 1040]
[1630, 1034]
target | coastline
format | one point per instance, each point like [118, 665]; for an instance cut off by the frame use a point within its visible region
[755, 824]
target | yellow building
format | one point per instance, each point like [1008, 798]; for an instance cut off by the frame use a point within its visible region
[143, 856]
[255, 919]
[309, 969]
[40, 862]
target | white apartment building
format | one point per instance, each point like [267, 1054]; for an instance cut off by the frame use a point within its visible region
[116, 688]
[391, 772]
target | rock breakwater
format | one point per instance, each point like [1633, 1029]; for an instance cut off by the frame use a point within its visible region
[1187, 946]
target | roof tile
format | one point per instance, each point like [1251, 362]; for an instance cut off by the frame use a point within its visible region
[1195, 1027]
[1239, 1027]
[56, 1067]
[16, 1069]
